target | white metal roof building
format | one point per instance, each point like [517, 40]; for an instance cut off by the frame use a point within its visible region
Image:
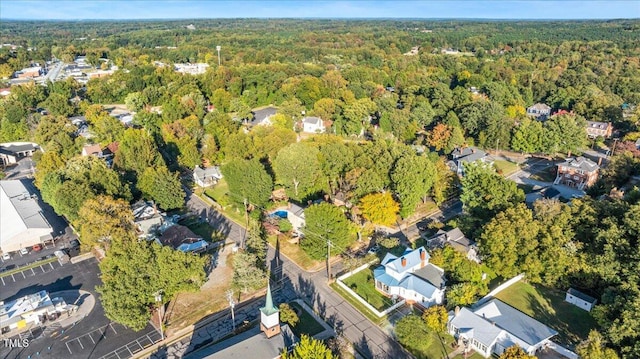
[22, 222]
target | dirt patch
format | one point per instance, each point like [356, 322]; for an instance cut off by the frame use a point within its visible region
[189, 308]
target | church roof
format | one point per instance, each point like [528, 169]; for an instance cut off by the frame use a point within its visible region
[269, 308]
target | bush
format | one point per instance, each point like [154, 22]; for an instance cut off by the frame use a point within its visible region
[288, 315]
[413, 334]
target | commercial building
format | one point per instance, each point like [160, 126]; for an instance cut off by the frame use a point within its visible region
[31, 309]
[22, 221]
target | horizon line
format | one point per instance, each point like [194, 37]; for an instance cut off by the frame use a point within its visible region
[330, 18]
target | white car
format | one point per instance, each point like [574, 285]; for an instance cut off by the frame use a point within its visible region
[24, 251]
[6, 256]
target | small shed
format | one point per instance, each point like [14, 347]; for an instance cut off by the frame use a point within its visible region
[580, 299]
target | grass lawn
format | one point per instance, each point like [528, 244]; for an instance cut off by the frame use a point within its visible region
[363, 284]
[440, 346]
[548, 306]
[307, 324]
[296, 254]
[356, 304]
[548, 175]
[220, 194]
[506, 167]
[204, 230]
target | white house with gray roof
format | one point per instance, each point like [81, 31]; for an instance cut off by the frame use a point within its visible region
[205, 177]
[313, 125]
[496, 326]
[411, 277]
[462, 155]
[262, 117]
[22, 221]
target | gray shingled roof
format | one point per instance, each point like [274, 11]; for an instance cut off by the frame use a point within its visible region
[431, 274]
[312, 120]
[515, 322]
[260, 115]
[580, 163]
[475, 327]
[586, 298]
[250, 344]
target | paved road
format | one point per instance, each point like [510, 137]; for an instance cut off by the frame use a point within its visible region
[448, 211]
[231, 230]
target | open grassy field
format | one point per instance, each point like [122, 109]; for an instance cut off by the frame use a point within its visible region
[506, 167]
[296, 254]
[548, 306]
[363, 284]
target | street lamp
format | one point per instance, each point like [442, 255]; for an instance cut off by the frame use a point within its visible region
[158, 297]
[232, 304]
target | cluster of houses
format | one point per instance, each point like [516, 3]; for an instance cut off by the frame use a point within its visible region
[542, 112]
[262, 117]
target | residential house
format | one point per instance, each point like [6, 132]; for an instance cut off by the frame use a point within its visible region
[541, 111]
[29, 72]
[294, 214]
[411, 277]
[462, 155]
[182, 239]
[12, 152]
[205, 177]
[92, 150]
[496, 326]
[577, 172]
[267, 341]
[456, 239]
[262, 117]
[595, 129]
[22, 220]
[31, 309]
[192, 69]
[312, 125]
[580, 299]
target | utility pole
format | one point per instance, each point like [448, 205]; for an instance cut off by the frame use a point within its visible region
[218, 49]
[613, 149]
[246, 220]
[232, 304]
[160, 315]
[329, 259]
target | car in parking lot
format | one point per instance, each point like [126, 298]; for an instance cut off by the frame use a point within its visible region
[24, 251]
[6, 256]
[37, 247]
[74, 243]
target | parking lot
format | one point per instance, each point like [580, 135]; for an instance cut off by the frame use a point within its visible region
[93, 336]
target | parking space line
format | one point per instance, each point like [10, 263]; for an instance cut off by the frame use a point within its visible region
[12, 277]
[51, 266]
[67, 344]
[111, 326]
[2, 279]
[32, 271]
[80, 343]
[23, 276]
[90, 337]
[42, 269]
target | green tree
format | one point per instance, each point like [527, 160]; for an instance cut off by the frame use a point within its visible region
[106, 129]
[298, 169]
[413, 333]
[528, 137]
[413, 177]
[485, 193]
[102, 218]
[133, 272]
[58, 105]
[461, 294]
[509, 242]
[246, 275]
[325, 222]
[565, 133]
[137, 152]
[288, 315]
[309, 348]
[379, 208]
[248, 179]
[162, 186]
[436, 318]
[515, 352]
[58, 135]
[594, 347]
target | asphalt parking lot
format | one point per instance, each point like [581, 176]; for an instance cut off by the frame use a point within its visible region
[94, 336]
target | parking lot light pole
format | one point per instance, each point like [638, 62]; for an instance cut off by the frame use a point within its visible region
[232, 304]
[160, 307]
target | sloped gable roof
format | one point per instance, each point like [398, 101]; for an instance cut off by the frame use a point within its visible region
[475, 326]
[580, 163]
[515, 322]
[412, 258]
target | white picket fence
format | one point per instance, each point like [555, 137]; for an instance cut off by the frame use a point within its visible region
[359, 298]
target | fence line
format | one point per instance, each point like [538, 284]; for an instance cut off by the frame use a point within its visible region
[499, 289]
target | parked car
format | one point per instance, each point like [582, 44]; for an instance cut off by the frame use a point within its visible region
[24, 251]
[37, 247]
[6, 256]
[62, 257]
[74, 243]
[375, 249]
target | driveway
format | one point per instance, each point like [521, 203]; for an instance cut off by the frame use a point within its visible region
[24, 168]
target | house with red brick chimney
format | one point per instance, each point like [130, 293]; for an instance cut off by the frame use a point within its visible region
[411, 277]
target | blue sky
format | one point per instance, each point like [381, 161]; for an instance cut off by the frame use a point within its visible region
[172, 9]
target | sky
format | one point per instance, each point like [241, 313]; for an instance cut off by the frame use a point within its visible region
[187, 9]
